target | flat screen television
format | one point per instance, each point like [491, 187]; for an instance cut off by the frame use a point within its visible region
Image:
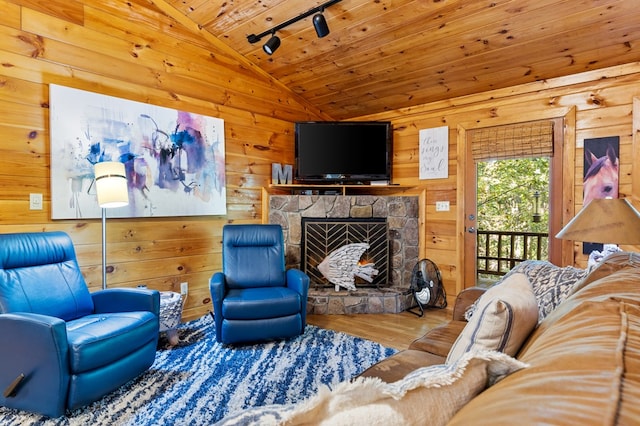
[343, 152]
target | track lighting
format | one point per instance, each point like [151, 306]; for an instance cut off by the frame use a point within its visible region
[272, 44]
[319, 23]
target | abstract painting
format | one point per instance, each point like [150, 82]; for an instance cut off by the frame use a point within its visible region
[174, 160]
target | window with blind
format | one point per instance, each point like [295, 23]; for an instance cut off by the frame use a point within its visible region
[522, 140]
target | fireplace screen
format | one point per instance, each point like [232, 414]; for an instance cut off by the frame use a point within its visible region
[322, 236]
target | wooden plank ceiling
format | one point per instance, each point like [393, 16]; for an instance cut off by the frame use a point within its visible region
[387, 54]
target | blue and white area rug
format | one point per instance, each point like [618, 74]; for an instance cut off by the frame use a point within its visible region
[200, 381]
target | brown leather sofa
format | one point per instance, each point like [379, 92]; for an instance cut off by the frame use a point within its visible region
[584, 357]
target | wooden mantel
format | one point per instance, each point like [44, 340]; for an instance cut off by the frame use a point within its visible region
[343, 189]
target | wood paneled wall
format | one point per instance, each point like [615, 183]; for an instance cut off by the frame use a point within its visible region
[121, 48]
[131, 50]
[600, 103]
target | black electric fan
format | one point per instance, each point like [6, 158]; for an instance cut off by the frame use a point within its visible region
[426, 286]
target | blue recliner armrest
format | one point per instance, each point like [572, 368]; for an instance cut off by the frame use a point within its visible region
[126, 300]
[217, 287]
[299, 282]
[38, 350]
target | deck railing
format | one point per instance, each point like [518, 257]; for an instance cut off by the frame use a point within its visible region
[499, 251]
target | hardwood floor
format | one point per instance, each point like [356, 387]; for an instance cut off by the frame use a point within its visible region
[391, 330]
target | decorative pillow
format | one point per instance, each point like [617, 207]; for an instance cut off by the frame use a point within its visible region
[505, 315]
[551, 284]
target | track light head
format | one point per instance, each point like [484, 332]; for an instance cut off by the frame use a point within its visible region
[271, 45]
[320, 24]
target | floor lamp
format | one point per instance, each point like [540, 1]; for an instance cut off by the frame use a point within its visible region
[111, 188]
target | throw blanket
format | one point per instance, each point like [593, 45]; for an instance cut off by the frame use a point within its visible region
[370, 401]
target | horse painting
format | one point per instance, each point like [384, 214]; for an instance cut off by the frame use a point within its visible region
[601, 176]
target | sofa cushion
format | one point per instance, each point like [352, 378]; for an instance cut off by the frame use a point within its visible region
[253, 256]
[575, 376]
[39, 274]
[102, 339]
[439, 340]
[504, 317]
[260, 303]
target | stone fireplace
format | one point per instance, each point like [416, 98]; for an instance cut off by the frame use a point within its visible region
[399, 213]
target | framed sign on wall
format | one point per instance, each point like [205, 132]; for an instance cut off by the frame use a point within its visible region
[434, 153]
[174, 160]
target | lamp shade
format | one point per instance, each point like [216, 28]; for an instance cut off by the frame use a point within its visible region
[111, 184]
[606, 221]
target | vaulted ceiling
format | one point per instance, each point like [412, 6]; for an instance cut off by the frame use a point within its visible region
[387, 54]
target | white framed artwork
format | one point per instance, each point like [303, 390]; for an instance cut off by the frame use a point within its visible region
[174, 160]
[434, 153]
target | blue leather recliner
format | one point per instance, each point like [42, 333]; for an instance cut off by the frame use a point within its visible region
[62, 346]
[254, 297]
